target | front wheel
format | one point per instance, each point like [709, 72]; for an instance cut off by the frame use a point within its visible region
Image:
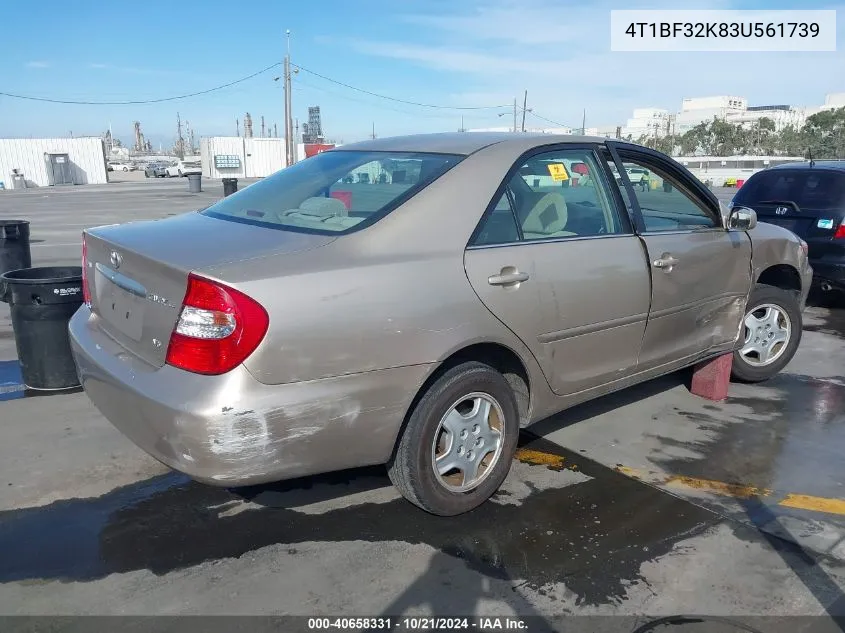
[771, 334]
[457, 447]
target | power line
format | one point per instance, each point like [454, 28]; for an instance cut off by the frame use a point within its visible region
[143, 101]
[414, 103]
[534, 114]
[299, 82]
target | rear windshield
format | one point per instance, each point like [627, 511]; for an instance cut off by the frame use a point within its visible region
[334, 192]
[808, 188]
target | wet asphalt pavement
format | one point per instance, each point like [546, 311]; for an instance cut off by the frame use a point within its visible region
[649, 501]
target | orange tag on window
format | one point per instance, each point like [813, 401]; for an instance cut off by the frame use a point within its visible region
[558, 171]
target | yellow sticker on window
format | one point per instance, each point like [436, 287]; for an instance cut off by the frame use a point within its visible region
[558, 171]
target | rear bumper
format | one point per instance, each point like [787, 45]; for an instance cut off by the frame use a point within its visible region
[231, 430]
[830, 271]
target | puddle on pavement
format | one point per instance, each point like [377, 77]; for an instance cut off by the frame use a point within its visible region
[12, 387]
[786, 434]
[831, 320]
[592, 536]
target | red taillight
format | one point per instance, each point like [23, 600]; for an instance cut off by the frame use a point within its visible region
[840, 232]
[218, 328]
[86, 293]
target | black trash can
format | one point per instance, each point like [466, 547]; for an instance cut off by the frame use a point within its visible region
[230, 186]
[194, 183]
[42, 302]
[14, 245]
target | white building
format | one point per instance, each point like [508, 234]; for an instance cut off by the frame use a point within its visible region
[718, 169]
[239, 157]
[44, 162]
[253, 157]
[646, 122]
[694, 111]
[831, 102]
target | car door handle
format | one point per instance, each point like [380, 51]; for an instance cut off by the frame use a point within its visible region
[507, 278]
[666, 262]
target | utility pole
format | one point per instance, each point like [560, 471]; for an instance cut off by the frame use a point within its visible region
[514, 114]
[289, 140]
[180, 142]
[262, 126]
[462, 129]
[275, 131]
[584, 123]
[237, 127]
[524, 106]
[190, 138]
[374, 131]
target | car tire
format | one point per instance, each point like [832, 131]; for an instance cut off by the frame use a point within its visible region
[769, 312]
[462, 391]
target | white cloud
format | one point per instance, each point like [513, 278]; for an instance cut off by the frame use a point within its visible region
[560, 52]
[38, 64]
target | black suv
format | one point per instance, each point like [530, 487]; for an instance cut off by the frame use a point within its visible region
[809, 200]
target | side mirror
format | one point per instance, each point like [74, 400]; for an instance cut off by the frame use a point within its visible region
[742, 219]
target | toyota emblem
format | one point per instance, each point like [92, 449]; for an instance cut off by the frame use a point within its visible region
[116, 259]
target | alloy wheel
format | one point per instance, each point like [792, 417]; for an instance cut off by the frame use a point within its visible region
[768, 329]
[468, 442]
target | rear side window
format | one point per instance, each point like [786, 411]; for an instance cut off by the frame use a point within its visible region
[334, 192]
[808, 188]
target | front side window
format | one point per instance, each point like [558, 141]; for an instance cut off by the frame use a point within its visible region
[664, 203]
[334, 192]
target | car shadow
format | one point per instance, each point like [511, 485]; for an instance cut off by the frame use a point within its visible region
[617, 400]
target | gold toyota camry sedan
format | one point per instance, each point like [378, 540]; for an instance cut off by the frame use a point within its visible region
[415, 301]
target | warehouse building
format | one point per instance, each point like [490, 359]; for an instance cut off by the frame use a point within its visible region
[248, 157]
[51, 162]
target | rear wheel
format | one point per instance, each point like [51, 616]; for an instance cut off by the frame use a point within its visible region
[771, 334]
[457, 447]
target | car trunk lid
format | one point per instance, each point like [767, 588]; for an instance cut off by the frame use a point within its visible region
[137, 273]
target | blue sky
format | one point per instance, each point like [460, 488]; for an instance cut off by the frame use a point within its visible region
[454, 53]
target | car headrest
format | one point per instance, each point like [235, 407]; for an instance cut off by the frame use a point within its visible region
[323, 207]
[548, 215]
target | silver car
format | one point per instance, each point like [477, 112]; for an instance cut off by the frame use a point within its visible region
[416, 301]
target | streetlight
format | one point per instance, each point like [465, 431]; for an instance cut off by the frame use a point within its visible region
[515, 108]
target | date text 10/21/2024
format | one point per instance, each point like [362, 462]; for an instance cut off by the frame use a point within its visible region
[421, 623]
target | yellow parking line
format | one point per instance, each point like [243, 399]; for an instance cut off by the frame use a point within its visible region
[738, 491]
[812, 503]
[815, 504]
